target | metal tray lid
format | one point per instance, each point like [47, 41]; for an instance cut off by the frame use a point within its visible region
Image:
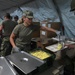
[6, 68]
[53, 48]
[25, 62]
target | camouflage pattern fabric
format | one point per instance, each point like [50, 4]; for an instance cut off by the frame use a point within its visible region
[5, 47]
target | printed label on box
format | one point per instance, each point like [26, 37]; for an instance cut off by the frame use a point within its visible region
[49, 25]
[43, 32]
[44, 25]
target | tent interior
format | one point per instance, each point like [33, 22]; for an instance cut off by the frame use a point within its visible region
[62, 11]
[55, 10]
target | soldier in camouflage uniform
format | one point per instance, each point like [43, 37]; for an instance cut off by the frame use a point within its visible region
[5, 46]
[7, 26]
[23, 33]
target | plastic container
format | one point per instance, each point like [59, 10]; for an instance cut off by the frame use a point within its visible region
[48, 61]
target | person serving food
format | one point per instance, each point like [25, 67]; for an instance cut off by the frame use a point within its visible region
[21, 36]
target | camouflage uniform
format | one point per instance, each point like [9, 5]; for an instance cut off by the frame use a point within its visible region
[24, 35]
[8, 26]
[5, 46]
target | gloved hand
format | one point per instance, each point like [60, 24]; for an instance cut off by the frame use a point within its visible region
[16, 49]
[57, 32]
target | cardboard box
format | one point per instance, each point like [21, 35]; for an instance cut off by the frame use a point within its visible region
[36, 34]
[47, 34]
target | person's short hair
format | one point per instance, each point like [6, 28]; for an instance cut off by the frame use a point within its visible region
[28, 14]
[16, 17]
[7, 15]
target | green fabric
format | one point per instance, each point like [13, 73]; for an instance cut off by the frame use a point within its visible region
[28, 14]
[4, 46]
[24, 34]
[8, 26]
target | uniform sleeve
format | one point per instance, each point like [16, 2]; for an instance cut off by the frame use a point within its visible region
[16, 30]
[2, 23]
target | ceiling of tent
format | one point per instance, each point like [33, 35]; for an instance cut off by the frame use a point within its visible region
[44, 9]
[11, 5]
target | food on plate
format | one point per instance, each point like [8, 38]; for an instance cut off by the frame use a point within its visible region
[59, 46]
[40, 54]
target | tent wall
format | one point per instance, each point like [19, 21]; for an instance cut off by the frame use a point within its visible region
[44, 9]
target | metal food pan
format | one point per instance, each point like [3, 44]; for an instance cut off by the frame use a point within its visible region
[6, 68]
[25, 62]
[49, 60]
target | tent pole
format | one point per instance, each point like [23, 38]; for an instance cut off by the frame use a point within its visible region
[60, 17]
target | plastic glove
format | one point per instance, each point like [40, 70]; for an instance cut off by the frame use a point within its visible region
[16, 49]
[57, 32]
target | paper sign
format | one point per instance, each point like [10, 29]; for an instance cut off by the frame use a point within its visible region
[49, 25]
[44, 25]
[43, 32]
